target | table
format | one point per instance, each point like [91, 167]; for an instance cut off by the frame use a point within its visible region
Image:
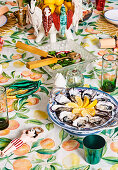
[59, 150]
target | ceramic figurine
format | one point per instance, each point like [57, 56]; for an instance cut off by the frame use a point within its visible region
[35, 16]
[47, 19]
[45, 23]
[77, 13]
[28, 136]
[63, 20]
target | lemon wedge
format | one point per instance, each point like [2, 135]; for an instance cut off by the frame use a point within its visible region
[91, 111]
[86, 101]
[77, 110]
[92, 104]
[72, 104]
[85, 113]
[79, 101]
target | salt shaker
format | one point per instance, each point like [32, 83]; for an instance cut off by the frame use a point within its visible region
[74, 78]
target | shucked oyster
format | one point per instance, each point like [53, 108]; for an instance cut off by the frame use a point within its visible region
[89, 93]
[66, 116]
[74, 92]
[61, 99]
[80, 121]
[104, 106]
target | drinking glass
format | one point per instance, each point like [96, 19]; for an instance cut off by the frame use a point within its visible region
[109, 72]
[93, 148]
[4, 120]
[74, 78]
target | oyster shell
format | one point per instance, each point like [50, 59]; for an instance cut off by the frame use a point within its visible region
[61, 99]
[105, 115]
[66, 116]
[89, 93]
[95, 119]
[105, 106]
[74, 92]
[80, 121]
[56, 106]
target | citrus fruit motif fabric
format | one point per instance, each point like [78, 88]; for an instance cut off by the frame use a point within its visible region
[55, 149]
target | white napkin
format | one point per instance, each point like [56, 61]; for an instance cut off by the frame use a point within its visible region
[59, 81]
[0, 68]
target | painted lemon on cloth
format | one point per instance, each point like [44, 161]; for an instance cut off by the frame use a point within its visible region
[114, 167]
[38, 114]
[5, 65]
[71, 161]
[18, 64]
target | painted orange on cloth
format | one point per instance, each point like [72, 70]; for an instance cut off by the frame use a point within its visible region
[70, 145]
[47, 143]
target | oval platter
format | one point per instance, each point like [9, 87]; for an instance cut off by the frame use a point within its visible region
[111, 123]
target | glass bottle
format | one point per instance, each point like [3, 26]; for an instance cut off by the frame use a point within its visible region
[109, 72]
[4, 120]
[74, 78]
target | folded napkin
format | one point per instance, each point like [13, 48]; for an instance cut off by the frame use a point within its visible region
[60, 81]
[3, 10]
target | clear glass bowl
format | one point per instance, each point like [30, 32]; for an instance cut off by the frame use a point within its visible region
[66, 45]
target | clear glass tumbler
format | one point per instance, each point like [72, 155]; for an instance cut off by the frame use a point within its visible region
[4, 120]
[74, 78]
[109, 72]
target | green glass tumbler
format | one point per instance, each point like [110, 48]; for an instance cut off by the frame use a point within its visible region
[93, 148]
[4, 120]
[109, 72]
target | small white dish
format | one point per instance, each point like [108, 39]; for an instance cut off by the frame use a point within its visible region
[3, 20]
[112, 16]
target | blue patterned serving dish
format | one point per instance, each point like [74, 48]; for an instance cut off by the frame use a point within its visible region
[102, 97]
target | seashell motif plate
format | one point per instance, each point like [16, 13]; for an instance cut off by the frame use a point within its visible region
[3, 20]
[112, 122]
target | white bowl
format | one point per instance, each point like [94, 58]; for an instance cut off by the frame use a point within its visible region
[112, 16]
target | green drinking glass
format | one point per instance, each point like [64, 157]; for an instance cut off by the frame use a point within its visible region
[93, 148]
[4, 120]
[109, 72]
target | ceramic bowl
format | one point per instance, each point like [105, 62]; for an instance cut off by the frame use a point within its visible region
[112, 16]
[111, 123]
